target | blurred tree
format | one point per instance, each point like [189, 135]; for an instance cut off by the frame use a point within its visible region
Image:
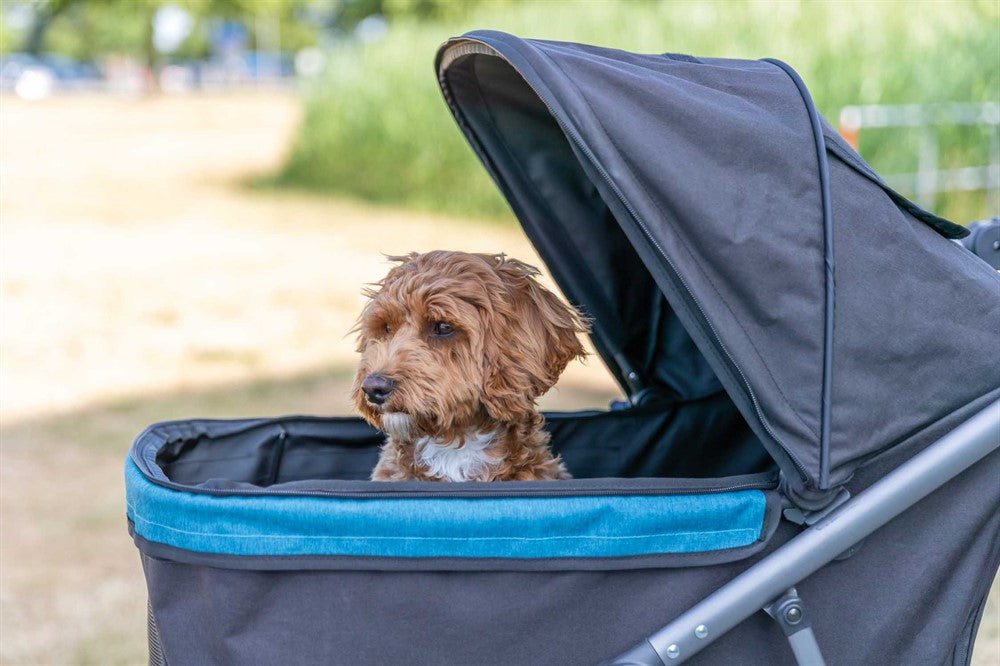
[87, 29]
[100, 26]
[434, 9]
[348, 13]
[45, 12]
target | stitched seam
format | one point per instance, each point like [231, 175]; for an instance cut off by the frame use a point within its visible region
[829, 269]
[137, 516]
[939, 224]
[597, 298]
[344, 451]
[682, 242]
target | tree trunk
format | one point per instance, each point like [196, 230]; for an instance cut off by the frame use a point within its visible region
[35, 39]
[149, 48]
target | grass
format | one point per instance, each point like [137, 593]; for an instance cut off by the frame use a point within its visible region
[376, 128]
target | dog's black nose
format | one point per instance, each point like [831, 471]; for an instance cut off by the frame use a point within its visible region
[377, 388]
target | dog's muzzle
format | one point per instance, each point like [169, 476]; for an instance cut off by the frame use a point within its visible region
[377, 388]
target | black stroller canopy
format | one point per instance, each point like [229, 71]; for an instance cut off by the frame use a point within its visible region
[723, 236]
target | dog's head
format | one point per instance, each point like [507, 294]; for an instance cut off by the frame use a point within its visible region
[452, 342]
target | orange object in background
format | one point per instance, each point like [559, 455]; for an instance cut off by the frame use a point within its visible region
[850, 126]
[851, 134]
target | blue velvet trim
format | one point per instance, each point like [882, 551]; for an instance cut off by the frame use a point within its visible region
[511, 527]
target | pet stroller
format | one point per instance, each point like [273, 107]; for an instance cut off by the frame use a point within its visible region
[811, 427]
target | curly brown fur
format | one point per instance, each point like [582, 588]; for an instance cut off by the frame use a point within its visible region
[469, 342]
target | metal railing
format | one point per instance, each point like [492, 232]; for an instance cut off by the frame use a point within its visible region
[929, 180]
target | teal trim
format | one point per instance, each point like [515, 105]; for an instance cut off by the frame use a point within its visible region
[506, 527]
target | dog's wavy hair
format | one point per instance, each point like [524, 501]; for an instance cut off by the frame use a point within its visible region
[510, 338]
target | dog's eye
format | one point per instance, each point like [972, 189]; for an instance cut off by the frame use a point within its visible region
[442, 329]
[387, 329]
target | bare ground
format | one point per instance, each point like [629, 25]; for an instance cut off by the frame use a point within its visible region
[141, 281]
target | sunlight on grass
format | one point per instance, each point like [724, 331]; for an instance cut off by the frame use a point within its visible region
[377, 128]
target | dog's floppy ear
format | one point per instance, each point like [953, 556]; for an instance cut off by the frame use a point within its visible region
[530, 337]
[371, 290]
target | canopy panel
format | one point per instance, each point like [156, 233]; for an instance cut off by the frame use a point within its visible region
[721, 234]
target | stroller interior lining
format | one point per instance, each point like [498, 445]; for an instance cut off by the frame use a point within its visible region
[296, 487]
[701, 439]
[634, 327]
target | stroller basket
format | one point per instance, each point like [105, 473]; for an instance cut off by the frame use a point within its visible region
[177, 504]
[811, 423]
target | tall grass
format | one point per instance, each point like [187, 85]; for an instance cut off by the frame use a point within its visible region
[376, 126]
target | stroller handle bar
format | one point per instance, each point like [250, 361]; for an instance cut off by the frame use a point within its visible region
[763, 583]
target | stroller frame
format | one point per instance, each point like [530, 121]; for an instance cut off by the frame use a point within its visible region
[758, 587]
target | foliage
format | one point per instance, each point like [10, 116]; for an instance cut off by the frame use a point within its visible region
[347, 13]
[376, 127]
[89, 29]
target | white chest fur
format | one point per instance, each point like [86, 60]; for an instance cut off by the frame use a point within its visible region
[451, 462]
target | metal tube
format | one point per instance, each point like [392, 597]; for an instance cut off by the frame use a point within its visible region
[927, 168]
[821, 543]
[805, 648]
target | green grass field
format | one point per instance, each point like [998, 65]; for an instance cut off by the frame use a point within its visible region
[376, 127]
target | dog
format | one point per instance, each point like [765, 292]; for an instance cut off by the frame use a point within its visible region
[455, 350]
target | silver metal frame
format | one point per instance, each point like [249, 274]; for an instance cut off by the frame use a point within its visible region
[766, 581]
[930, 178]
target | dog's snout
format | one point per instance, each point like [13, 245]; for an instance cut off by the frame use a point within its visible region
[378, 388]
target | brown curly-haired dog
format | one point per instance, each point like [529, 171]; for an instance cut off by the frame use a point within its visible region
[455, 348]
